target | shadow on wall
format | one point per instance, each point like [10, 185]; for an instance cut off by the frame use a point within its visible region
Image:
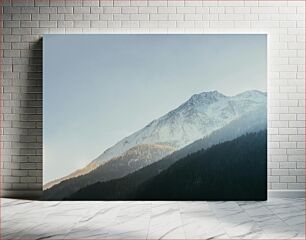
[28, 144]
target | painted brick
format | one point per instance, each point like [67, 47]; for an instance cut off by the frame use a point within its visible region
[300, 179]
[40, 16]
[76, 16]
[156, 17]
[280, 172]
[273, 165]
[98, 24]
[201, 24]
[278, 186]
[193, 17]
[96, 10]
[106, 16]
[157, 3]
[297, 172]
[167, 24]
[81, 10]
[57, 17]
[62, 10]
[202, 10]
[126, 10]
[273, 179]
[11, 179]
[189, 3]
[130, 24]
[300, 144]
[28, 179]
[287, 165]
[287, 131]
[121, 17]
[19, 173]
[288, 179]
[141, 16]
[48, 10]
[21, 31]
[81, 24]
[91, 3]
[296, 186]
[147, 9]
[91, 16]
[189, 10]
[74, 3]
[148, 24]
[166, 10]
[110, 10]
[138, 3]
[31, 24]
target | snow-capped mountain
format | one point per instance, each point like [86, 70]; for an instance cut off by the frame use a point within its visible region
[196, 118]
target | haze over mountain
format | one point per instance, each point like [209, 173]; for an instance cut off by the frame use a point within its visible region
[248, 123]
[130, 161]
[198, 117]
[209, 174]
[214, 174]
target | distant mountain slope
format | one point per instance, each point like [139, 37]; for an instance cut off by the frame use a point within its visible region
[90, 167]
[198, 117]
[251, 122]
[233, 170]
[132, 160]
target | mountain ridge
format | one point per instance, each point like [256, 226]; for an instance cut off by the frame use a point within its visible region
[187, 178]
[197, 117]
[186, 107]
[118, 167]
[251, 122]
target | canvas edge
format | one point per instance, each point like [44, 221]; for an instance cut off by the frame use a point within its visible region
[36, 194]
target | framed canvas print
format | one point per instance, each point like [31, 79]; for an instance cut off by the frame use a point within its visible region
[155, 117]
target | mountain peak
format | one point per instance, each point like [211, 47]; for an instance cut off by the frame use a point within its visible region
[214, 93]
[196, 118]
[207, 97]
[252, 94]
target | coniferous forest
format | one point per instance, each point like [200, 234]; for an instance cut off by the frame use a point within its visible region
[233, 170]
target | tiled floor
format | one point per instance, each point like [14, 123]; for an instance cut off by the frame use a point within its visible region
[274, 219]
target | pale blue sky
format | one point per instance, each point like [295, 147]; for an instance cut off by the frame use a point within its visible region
[101, 88]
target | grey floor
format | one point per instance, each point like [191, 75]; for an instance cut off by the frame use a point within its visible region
[273, 219]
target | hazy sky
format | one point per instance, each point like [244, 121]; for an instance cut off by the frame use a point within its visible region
[101, 88]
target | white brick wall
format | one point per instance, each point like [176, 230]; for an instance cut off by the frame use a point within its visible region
[24, 22]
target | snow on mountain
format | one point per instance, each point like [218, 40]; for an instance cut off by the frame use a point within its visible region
[196, 118]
